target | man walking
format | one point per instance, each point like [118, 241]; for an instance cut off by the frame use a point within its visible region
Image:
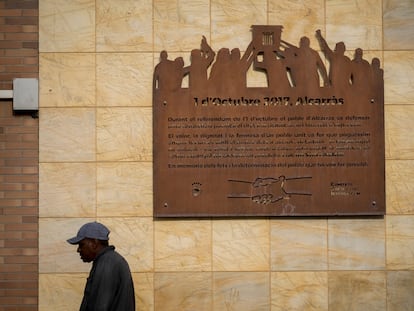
[109, 286]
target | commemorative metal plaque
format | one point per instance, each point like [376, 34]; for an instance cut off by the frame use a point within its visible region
[309, 143]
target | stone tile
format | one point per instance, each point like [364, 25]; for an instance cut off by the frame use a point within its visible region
[55, 254]
[67, 80]
[183, 291]
[357, 23]
[182, 245]
[123, 25]
[398, 77]
[298, 18]
[66, 26]
[124, 134]
[399, 144]
[400, 286]
[241, 245]
[67, 189]
[398, 24]
[299, 291]
[400, 186]
[400, 242]
[62, 292]
[357, 290]
[241, 291]
[124, 189]
[65, 291]
[67, 135]
[231, 21]
[124, 79]
[356, 244]
[299, 244]
[144, 294]
[133, 239]
[180, 25]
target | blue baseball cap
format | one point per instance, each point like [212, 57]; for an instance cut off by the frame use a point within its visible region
[91, 230]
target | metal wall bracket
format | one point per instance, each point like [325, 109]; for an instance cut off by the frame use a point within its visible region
[25, 94]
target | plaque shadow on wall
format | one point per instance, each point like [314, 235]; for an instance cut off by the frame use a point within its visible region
[308, 143]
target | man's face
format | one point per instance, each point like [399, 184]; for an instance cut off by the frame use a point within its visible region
[87, 249]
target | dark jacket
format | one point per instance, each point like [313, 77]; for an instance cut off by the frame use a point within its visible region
[109, 286]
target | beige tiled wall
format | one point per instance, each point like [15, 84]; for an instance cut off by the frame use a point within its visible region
[96, 64]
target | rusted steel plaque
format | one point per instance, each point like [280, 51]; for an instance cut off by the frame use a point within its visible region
[309, 143]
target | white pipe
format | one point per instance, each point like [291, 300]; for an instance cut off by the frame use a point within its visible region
[6, 94]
